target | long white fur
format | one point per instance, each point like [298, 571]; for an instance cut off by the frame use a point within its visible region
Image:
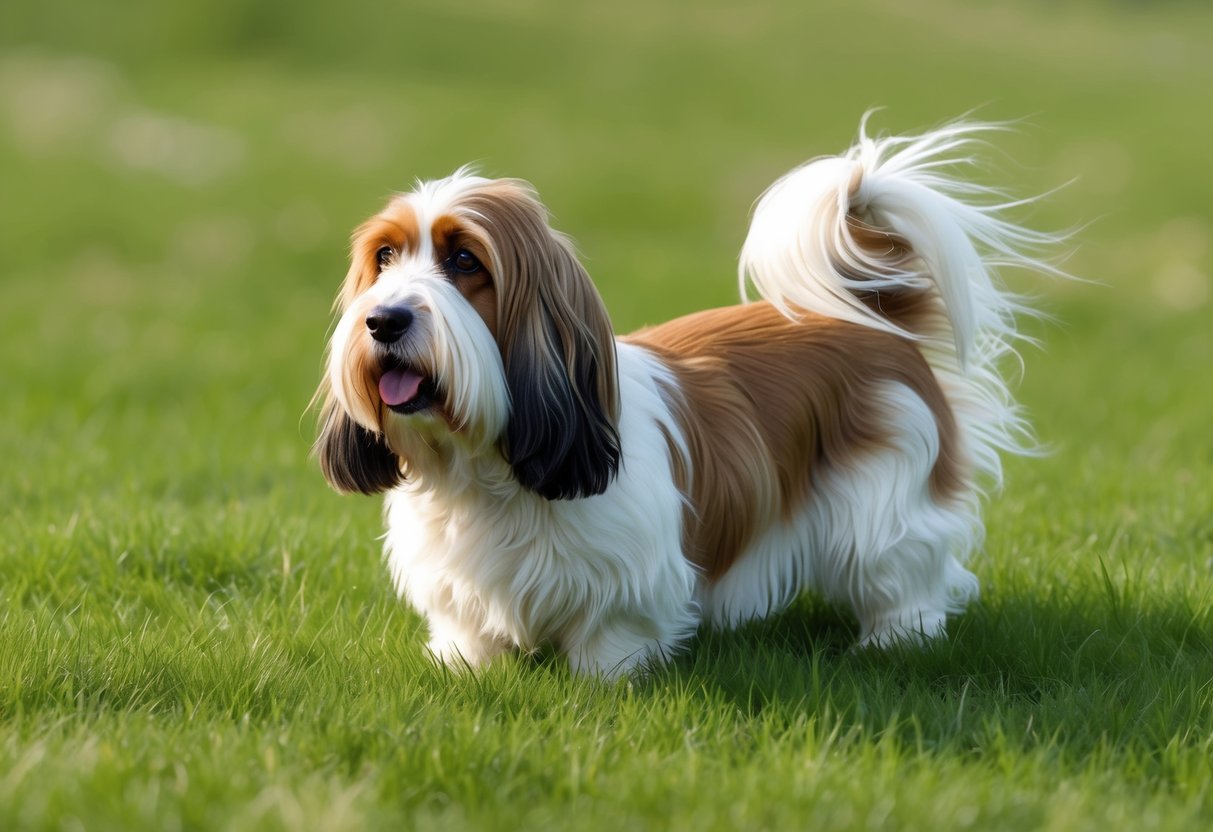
[492, 565]
[603, 577]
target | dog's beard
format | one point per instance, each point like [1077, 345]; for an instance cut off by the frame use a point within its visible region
[441, 386]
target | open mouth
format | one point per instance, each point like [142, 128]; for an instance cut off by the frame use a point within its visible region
[404, 389]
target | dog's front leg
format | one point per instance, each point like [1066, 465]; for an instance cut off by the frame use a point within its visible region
[625, 643]
[460, 643]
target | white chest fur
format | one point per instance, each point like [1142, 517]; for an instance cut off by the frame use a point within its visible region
[603, 577]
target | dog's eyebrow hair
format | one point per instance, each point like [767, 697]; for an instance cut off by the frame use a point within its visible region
[398, 217]
[446, 227]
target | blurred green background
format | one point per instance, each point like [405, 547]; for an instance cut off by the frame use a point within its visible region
[177, 186]
[179, 181]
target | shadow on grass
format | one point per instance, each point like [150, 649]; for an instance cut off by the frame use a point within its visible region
[1080, 674]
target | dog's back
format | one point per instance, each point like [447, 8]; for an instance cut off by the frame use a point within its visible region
[767, 402]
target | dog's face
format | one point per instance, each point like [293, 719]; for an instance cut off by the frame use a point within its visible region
[469, 327]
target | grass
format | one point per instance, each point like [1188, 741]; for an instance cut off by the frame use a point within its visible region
[195, 633]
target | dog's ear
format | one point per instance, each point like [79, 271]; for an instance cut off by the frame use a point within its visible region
[557, 347]
[353, 458]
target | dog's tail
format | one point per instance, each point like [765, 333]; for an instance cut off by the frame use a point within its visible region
[888, 236]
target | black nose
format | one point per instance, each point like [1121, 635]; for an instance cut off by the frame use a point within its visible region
[388, 323]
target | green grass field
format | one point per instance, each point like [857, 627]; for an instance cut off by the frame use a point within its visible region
[196, 634]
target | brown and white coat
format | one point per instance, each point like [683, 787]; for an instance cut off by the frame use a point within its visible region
[548, 482]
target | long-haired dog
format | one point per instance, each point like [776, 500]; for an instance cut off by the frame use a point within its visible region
[548, 482]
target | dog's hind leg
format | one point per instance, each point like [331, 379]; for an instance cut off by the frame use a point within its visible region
[895, 538]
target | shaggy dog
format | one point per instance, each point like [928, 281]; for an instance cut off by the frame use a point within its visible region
[550, 482]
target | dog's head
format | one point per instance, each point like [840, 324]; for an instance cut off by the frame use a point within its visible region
[468, 326]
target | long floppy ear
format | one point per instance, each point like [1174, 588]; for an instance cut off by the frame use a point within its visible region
[353, 458]
[557, 347]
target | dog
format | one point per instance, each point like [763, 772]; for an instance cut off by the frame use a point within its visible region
[550, 483]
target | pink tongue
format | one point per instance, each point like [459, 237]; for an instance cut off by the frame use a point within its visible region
[399, 386]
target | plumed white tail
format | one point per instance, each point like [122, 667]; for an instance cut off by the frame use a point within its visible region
[856, 236]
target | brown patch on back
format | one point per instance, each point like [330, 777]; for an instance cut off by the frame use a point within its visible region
[768, 401]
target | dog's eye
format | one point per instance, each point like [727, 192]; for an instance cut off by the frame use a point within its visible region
[464, 262]
[384, 256]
